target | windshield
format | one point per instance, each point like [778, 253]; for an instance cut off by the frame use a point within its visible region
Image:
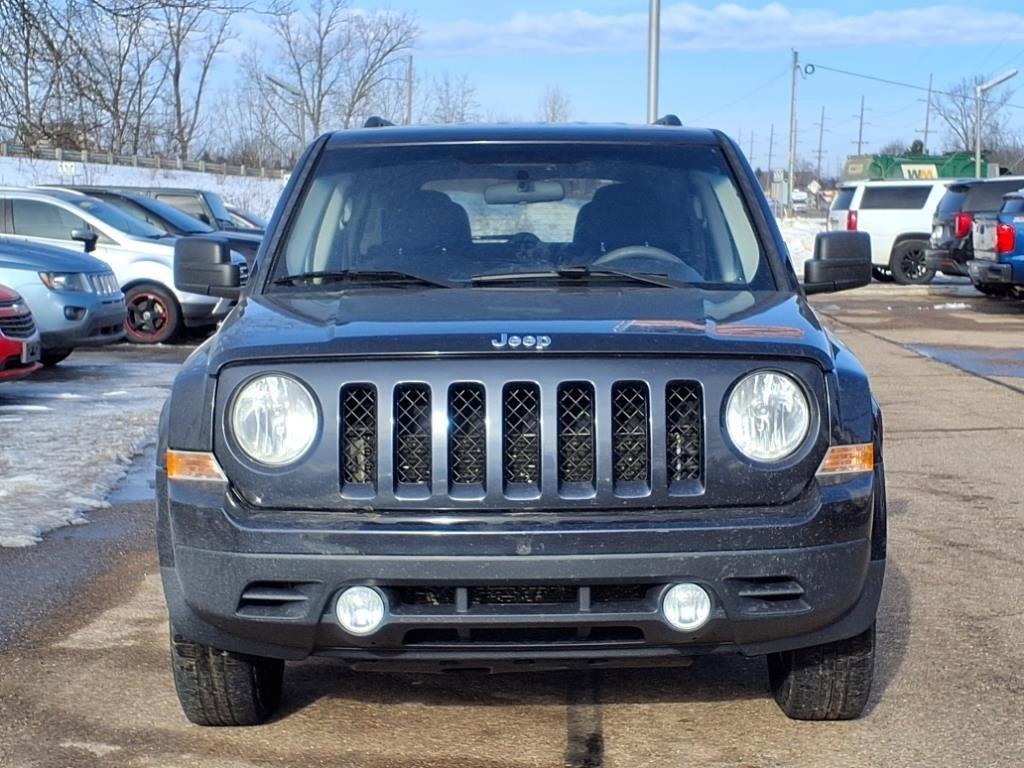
[454, 212]
[178, 219]
[220, 213]
[119, 220]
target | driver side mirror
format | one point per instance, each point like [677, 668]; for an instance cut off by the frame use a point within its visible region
[87, 237]
[842, 260]
[203, 265]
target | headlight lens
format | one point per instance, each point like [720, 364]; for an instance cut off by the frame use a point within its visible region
[767, 416]
[65, 281]
[274, 420]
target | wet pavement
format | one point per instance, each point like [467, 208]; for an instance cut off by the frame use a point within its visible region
[89, 684]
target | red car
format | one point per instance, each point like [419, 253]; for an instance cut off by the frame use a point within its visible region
[19, 339]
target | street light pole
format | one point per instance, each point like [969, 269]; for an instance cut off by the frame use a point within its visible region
[979, 95]
[653, 41]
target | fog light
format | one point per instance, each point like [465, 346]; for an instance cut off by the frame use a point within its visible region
[74, 313]
[686, 607]
[360, 610]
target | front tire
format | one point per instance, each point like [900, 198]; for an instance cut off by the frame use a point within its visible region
[825, 682]
[218, 688]
[908, 263]
[154, 316]
[53, 357]
[995, 291]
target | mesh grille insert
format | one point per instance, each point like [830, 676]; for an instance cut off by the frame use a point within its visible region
[521, 417]
[412, 433]
[684, 427]
[359, 434]
[576, 433]
[467, 434]
[630, 438]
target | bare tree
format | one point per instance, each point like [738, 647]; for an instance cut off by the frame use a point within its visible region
[555, 106]
[452, 100]
[332, 62]
[957, 110]
[195, 32]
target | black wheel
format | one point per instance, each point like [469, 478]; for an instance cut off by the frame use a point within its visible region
[908, 265]
[881, 274]
[153, 314]
[219, 688]
[52, 357]
[825, 682]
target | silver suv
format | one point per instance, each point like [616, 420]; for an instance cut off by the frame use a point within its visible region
[140, 255]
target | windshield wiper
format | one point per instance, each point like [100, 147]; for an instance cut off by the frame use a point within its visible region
[578, 273]
[370, 277]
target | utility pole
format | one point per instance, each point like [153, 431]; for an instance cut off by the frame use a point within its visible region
[653, 40]
[750, 155]
[408, 94]
[771, 147]
[821, 137]
[927, 115]
[860, 127]
[792, 135]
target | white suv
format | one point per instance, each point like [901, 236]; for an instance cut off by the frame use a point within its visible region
[898, 216]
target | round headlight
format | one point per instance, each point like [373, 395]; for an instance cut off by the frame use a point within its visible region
[274, 420]
[767, 416]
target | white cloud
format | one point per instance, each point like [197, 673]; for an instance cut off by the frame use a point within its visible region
[727, 26]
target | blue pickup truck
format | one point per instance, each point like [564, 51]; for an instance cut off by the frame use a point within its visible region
[999, 247]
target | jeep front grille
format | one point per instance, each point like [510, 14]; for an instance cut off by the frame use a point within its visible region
[521, 431]
[467, 435]
[576, 448]
[359, 435]
[683, 431]
[631, 450]
[412, 434]
[439, 443]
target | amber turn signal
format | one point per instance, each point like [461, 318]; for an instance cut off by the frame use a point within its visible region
[844, 459]
[194, 465]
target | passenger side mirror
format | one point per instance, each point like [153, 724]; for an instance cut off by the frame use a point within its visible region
[87, 237]
[842, 260]
[203, 265]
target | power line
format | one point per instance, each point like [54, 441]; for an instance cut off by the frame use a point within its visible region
[814, 67]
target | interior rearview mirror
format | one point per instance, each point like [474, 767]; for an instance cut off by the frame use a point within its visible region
[87, 237]
[203, 265]
[524, 191]
[842, 260]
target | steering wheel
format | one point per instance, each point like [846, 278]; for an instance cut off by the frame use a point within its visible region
[637, 251]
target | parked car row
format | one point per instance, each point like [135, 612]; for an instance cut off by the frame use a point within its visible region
[88, 265]
[918, 228]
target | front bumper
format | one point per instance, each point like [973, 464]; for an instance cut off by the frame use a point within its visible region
[265, 583]
[103, 324]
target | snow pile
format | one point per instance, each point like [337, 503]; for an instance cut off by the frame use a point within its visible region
[249, 192]
[799, 236]
[66, 438]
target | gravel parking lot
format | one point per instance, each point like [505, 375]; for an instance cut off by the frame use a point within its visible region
[85, 681]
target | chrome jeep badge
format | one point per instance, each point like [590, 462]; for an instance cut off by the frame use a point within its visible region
[507, 341]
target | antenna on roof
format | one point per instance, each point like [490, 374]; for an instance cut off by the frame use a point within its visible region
[377, 122]
[669, 120]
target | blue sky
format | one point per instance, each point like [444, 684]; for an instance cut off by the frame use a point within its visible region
[724, 65]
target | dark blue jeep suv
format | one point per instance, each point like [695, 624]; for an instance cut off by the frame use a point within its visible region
[521, 397]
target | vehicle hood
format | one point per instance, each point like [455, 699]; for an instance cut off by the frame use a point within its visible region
[373, 322]
[163, 246]
[42, 258]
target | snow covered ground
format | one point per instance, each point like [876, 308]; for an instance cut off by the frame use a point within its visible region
[248, 192]
[67, 436]
[799, 236]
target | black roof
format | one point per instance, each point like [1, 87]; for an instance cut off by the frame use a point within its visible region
[523, 132]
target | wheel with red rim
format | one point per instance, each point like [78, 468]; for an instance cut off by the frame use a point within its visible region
[153, 314]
